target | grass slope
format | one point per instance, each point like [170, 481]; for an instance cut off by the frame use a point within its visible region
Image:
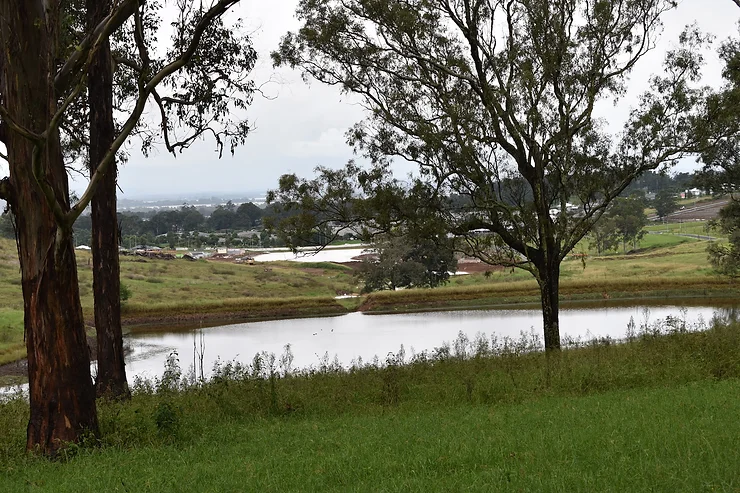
[681, 439]
[657, 413]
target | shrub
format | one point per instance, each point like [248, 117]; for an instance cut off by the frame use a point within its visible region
[125, 292]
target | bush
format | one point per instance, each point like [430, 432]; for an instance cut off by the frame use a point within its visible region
[125, 292]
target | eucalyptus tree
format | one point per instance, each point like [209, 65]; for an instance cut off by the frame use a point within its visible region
[41, 81]
[721, 171]
[604, 235]
[495, 101]
[628, 214]
[199, 102]
[110, 380]
[402, 261]
[725, 257]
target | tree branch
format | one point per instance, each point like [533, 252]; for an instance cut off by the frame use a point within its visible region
[15, 127]
[212, 14]
[74, 64]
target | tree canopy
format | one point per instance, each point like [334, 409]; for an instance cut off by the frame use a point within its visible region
[721, 170]
[665, 202]
[494, 100]
[629, 218]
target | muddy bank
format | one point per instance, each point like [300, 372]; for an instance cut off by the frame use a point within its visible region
[189, 321]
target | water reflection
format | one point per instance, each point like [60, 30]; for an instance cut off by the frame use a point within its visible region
[355, 335]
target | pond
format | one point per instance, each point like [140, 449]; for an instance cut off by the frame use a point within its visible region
[354, 335]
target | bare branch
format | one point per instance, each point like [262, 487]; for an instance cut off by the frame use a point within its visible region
[165, 124]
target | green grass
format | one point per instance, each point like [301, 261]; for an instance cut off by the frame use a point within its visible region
[690, 227]
[672, 440]
[657, 413]
[12, 345]
[652, 241]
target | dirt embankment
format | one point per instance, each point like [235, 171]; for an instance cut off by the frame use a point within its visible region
[701, 211]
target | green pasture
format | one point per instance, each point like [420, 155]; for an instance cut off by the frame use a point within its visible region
[655, 413]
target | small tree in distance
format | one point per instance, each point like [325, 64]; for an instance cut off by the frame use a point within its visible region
[628, 214]
[725, 257]
[665, 203]
[604, 235]
[402, 262]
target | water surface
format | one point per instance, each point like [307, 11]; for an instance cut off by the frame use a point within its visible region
[356, 335]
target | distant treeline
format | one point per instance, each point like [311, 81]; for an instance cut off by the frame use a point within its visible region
[652, 182]
[187, 218]
[177, 224]
[248, 216]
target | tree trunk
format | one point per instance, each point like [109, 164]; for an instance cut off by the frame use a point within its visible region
[549, 280]
[62, 397]
[111, 378]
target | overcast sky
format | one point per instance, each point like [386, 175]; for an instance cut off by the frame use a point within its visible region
[304, 125]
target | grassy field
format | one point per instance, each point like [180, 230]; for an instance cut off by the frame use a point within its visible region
[690, 227]
[152, 281]
[656, 413]
[12, 346]
[674, 268]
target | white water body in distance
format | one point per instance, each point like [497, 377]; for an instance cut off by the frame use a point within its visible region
[327, 255]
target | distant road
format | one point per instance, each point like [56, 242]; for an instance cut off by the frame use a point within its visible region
[703, 211]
